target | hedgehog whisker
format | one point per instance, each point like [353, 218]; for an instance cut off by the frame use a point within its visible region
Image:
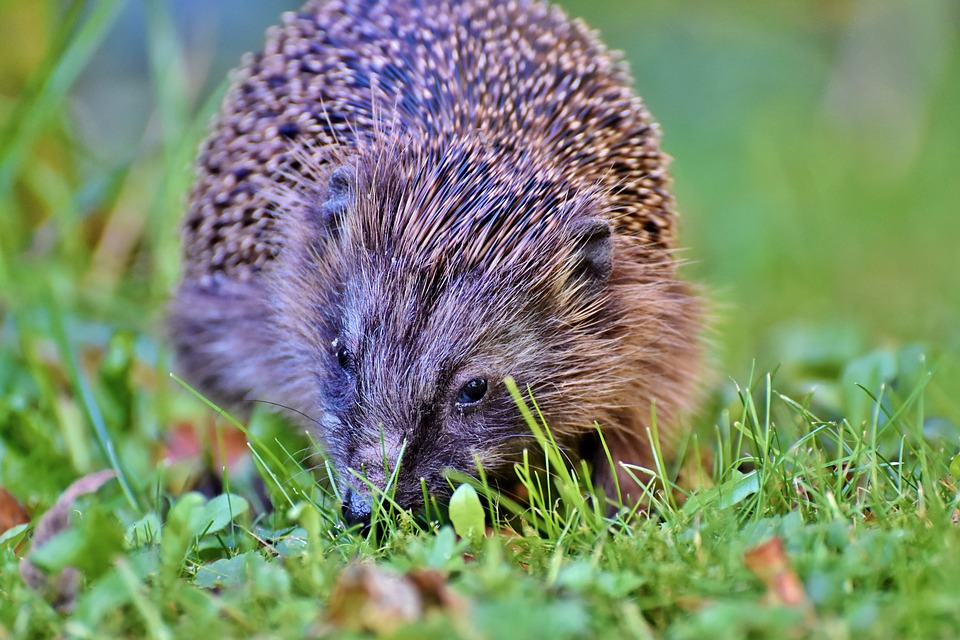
[291, 409]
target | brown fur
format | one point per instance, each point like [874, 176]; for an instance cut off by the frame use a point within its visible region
[446, 191]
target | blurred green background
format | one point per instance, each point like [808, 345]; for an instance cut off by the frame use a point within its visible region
[816, 146]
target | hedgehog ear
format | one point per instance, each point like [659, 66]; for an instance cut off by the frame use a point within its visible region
[593, 256]
[338, 197]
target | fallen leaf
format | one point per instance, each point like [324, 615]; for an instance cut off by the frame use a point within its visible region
[197, 454]
[189, 442]
[12, 512]
[59, 589]
[372, 599]
[769, 562]
[436, 593]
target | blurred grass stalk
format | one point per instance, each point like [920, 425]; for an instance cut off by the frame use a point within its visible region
[113, 226]
[76, 39]
[49, 268]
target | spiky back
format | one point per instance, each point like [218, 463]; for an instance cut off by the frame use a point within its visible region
[515, 77]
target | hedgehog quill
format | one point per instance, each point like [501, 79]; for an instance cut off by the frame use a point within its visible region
[404, 202]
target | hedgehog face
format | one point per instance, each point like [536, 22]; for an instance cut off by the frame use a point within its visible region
[412, 381]
[412, 345]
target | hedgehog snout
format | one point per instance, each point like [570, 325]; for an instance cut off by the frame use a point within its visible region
[356, 509]
[372, 468]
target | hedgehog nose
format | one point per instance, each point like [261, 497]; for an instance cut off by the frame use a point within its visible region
[356, 510]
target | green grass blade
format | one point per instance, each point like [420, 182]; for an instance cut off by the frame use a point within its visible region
[36, 108]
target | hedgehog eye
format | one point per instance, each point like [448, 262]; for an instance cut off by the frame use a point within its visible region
[472, 392]
[344, 357]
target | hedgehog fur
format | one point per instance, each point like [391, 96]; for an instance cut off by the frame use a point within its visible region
[402, 203]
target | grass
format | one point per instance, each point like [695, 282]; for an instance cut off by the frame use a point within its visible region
[865, 511]
[837, 441]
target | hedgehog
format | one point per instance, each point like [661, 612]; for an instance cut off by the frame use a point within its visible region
[404, 203]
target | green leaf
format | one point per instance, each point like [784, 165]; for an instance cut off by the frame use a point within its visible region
[738, 488]
[955, 467]
[745, 485]
[443, 550]
[14, 534]
[223, 510]
[146, 530]
[229, 572]
[466, 513]
[250, 568]
[185, 521]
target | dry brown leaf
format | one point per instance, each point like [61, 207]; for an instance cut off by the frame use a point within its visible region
[190, 442]
[769, 562]
[60, 589]
[196, 455]
[369, 598]
[12, 512]
[436, 593]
